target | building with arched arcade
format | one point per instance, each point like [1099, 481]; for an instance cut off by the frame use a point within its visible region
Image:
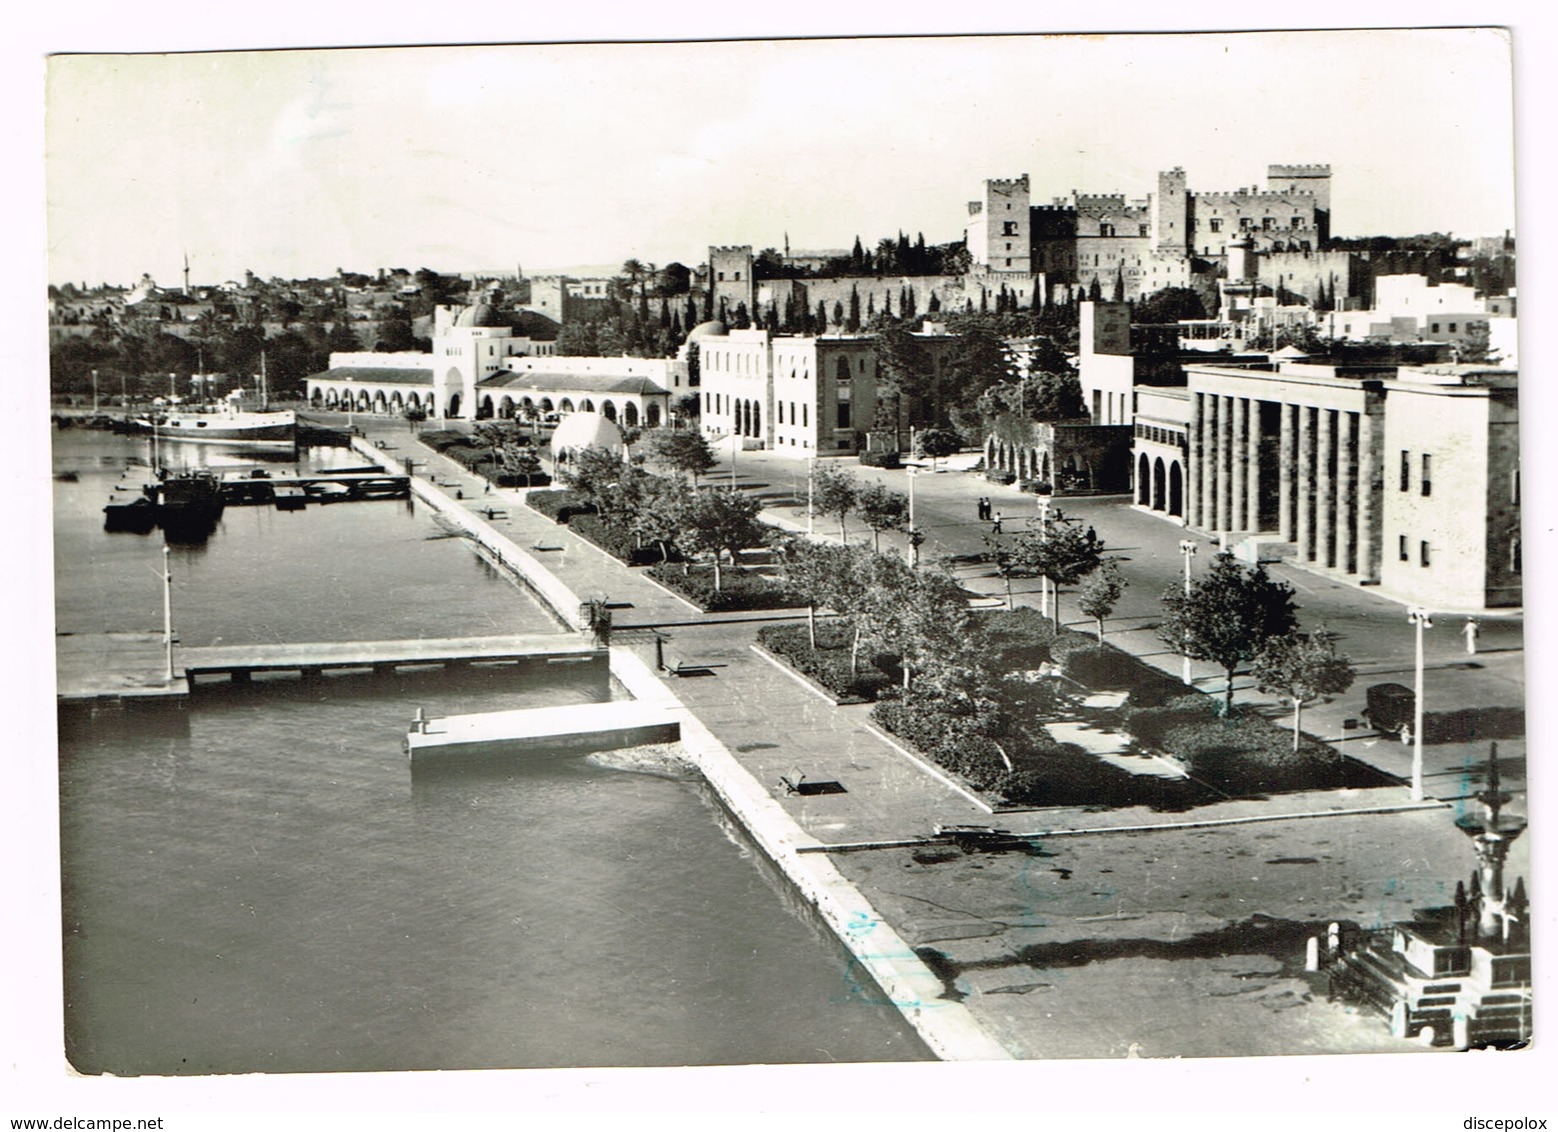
[479, 369]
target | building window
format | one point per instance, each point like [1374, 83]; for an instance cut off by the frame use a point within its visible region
[722, 277]
[1401, 548]
[1245, 223]
[843, 414]
[1008, 262]
[1428, 474]
[1298, 222]
[1433, 327]
[1406, 470]
[1422, 553]
[1452, 328]
[1268, 222]
[1216, 223]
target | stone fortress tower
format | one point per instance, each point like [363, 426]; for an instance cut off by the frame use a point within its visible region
[999, 227]
[730, 278]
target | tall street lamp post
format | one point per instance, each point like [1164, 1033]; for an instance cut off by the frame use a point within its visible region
[1188, 549]
[1043, 502]
[167, 614]
[1420, 619]
[811, 476]
[349, 406]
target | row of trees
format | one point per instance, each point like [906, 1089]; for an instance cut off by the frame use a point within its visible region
[668, 511]
[1235, 615]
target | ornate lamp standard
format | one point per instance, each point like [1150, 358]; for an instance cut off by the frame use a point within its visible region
[1187, 548]
[1420, 619]
[167, 613]
[1043, 502]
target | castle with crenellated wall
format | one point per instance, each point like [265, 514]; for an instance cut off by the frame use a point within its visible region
[1144, 245]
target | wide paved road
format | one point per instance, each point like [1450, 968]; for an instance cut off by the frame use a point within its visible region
[1373, 630]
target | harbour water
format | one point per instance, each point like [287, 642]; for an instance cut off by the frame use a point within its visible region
[259, 884]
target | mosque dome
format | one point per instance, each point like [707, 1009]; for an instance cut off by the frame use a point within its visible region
[712, 328]
[586, 430]
[480, 313]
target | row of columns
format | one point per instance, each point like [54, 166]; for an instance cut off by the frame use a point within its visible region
[1325, 502]
[1225, 470]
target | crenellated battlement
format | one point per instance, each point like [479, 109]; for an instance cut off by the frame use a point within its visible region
[1298, 171]
[1001, 185]
[1253, 194]
[732, 249]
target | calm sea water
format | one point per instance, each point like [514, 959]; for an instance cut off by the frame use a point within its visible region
[259, 884]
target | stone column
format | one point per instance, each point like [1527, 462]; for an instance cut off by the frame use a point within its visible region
[1209, 461]
[1325, 490]
[1347, 492]
[1193, 457]
[1238, 466]
[1252, 475]
[1368, 497]
[1304, 471]
[1286, 463]
[1224, 463]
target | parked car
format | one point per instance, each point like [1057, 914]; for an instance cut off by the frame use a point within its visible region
[1389, 707]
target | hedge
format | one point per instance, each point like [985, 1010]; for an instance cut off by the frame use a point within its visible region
[619, 543]
[1242, 754]
[559, 505]
[881, 459]
[738, 590]
[828, 663]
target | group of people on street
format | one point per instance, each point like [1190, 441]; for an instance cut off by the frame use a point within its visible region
[987, 514]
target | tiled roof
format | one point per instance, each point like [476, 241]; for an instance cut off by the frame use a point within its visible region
[572, 382]
[373, 375]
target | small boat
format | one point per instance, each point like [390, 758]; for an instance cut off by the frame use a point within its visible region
[137, 515]
[189, 504]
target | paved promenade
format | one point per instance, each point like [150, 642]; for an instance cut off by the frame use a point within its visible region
[1121, 889]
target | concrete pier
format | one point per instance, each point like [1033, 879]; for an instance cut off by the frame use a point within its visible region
[572, 729]
[240, 662]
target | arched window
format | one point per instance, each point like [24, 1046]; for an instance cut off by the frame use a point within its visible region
[630, 414]
[1143, 481]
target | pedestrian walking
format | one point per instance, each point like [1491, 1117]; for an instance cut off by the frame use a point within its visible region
[1472, 631]
[996, 528]
[982, 508]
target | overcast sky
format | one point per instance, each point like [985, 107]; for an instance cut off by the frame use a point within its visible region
[294, 163]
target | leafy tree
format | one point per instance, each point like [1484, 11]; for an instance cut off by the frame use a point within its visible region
[835, 492]
[1301, 668]
[719, 519]
[1101, 592]
[1476, 350]
[682, 449]
[812, 570]
[882, 509]
[903, 372]
[1061, 553]
[578, 339]
[1230, 611]
[395, 332]
[937, 443]
[657, 513]
[594, 473]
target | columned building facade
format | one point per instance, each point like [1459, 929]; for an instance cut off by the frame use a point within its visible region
[1292, 461]
[1293, 454]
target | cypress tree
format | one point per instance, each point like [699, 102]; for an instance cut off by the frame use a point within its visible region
[692, 312]
[934, 306]
[870, 304]
[984, 301]
[822, 316]
[854, 309]
[838, 313]
[1119, 284]
[665, 315]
